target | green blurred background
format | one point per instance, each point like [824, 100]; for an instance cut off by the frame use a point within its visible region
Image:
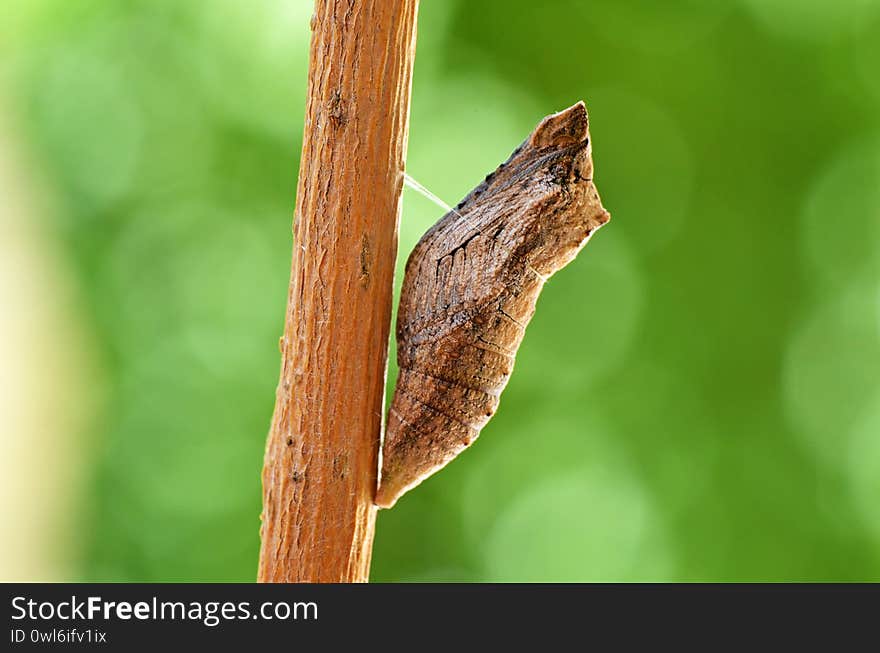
[697, 398]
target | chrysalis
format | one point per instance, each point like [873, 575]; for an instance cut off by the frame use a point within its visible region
[470, 289]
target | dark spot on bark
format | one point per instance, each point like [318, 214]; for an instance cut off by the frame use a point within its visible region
[366, 261]
[289, 442]
[336, 110]
[340, 465]
[296, 476]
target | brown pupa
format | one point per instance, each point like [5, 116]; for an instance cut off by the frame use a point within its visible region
[470, 289]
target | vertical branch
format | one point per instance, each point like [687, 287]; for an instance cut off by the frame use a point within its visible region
[319, 476]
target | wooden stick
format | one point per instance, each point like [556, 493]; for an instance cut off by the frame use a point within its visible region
[321, 460]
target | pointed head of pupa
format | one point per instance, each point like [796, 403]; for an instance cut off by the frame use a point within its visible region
[564, 129]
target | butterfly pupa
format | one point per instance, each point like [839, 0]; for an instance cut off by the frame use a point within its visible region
[469, 291]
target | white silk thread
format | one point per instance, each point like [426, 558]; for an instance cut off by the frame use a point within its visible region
[421, 190]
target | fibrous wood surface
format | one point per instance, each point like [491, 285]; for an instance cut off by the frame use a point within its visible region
[320, 470]
[470, 289]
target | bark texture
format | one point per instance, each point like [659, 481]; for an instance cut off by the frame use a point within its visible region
[321, 459]
[470, 289]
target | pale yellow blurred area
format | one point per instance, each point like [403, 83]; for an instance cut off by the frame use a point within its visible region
[48, 384]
